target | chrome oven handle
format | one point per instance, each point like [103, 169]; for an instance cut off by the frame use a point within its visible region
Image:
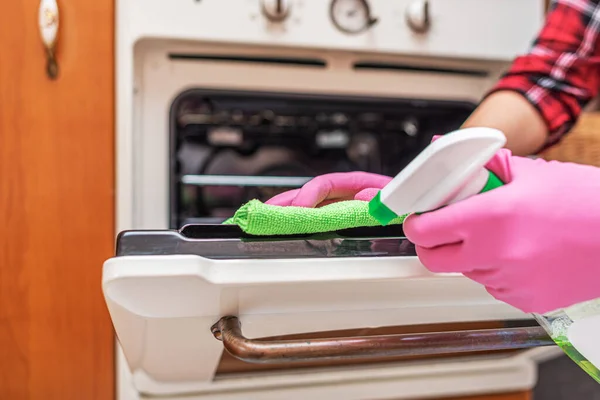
[229, 331]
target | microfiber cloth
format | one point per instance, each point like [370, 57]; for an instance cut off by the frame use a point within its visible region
[257, 218]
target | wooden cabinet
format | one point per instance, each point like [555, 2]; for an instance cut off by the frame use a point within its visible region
[56, 204]
[581, 145]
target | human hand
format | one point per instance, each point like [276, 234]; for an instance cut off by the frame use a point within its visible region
[532, 243]
[331, 188]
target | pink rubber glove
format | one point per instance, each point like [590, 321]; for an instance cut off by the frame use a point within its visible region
[329, 188]
[533, 243]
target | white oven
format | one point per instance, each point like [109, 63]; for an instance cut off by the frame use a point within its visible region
[213, 94]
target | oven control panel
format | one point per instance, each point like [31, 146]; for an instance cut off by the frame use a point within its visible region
[353, 16]
[445, 28]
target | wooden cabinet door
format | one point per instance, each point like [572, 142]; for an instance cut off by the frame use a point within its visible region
[56, 203]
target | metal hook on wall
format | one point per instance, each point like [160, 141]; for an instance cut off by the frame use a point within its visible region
[48, 24]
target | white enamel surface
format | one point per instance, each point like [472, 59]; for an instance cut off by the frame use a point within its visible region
[509, 25]
[148, 81]
[48, 22]
[413, 381]
[448, 170]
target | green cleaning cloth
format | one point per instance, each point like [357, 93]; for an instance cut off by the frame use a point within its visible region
[257, 218]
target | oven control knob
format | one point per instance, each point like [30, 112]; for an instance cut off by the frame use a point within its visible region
[276, 10]
[417, 16]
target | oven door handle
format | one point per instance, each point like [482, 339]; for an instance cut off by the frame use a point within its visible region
[229, 331]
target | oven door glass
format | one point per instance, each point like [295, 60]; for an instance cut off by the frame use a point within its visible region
[231, 147]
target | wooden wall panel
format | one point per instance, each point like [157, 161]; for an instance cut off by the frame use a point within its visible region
[56, 204]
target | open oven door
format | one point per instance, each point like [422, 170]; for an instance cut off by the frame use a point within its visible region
[209, 310]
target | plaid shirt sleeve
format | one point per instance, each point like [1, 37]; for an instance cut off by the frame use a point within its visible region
[561, 72]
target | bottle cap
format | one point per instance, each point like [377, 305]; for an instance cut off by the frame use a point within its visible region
[380, 211]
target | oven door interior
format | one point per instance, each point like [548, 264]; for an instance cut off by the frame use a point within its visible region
[228, 146]
[312, 310]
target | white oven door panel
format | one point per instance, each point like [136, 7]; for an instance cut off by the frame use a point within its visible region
[495, 30]
[163, 308]
[417, 381]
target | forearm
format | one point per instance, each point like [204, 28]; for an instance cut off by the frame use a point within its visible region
[540, 97]
[525, 129]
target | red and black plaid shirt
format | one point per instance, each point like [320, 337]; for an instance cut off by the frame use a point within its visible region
[561, 72]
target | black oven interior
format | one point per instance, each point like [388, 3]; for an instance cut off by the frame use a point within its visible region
[228, 147]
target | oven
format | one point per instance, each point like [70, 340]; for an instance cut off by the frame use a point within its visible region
[220, 102]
